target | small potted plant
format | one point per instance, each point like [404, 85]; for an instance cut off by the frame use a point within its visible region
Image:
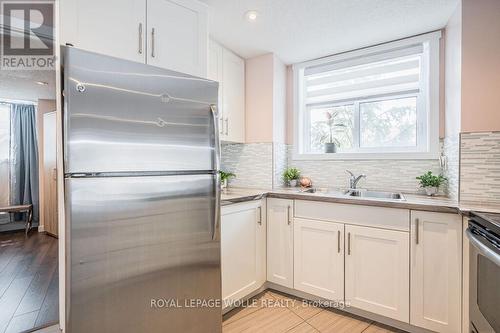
[431, 183]
[291, 176]
[224, 177]
[331, 143]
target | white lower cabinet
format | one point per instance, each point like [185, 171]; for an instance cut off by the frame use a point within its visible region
[319, 258]
[280, 241]
[377, 271]
[243, 249]
[436, 271]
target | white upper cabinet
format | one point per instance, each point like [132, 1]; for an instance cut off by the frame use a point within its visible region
[243, 249]
[172, 34]
[215, 73]
[436, 268]
[319, 258]
[229, 70]
[280, 241]
[377, 274]
[233, 92]
[178, 35]
[112, 27]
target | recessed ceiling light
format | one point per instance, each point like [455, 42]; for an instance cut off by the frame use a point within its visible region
[42, 83]
[251, 15]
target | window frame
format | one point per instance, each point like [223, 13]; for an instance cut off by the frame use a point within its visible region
[427, 104]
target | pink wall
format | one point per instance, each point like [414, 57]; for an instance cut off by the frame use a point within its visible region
[452, 75]
[259, 99]
[480, 65]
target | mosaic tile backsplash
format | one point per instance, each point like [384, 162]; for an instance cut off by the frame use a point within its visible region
[252, 163]
[451, 149]
[260, 165]
[480, 168]
[385, 175]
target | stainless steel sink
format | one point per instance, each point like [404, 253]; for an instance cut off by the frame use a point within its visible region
[376, 195]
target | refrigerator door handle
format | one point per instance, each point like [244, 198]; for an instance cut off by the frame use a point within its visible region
[215, 229]
[213, 109]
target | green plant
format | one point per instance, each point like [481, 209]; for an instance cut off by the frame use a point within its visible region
[291, 174]
[430, 180]
[225, 175]
[332, 124]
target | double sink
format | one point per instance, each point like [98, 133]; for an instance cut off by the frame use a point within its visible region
[365, 194]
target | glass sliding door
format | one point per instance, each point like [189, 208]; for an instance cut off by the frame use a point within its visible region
[4, 159]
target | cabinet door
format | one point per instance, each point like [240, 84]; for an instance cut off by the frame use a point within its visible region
[215, 73]
[243, 246]
[319, 258]
[280, 241]
[111, 27]
[233, 91]
[436, 271]
[178, 35]
[377, 271]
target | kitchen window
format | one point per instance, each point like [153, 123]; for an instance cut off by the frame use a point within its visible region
[378, 102]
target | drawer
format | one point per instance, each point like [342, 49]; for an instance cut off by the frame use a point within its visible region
[378, 217]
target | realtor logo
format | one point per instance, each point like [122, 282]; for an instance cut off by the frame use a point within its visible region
[27, 35]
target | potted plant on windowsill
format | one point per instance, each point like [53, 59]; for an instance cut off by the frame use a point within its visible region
[431, 183]
[224, 177]
[291, 176]
[331, 143]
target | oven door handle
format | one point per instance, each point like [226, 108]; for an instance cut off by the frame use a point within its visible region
[483, 249]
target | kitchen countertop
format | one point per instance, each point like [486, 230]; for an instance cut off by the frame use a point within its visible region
[413, 201]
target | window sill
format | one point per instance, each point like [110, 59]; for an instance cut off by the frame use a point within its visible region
[366, 156]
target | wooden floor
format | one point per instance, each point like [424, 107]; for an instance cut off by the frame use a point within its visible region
[276, 313]
[28, 281]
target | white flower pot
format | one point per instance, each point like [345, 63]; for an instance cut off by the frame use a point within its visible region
[431, 190]
[293, 183]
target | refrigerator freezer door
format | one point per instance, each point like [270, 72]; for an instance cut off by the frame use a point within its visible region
[141, 250]
[123, 116]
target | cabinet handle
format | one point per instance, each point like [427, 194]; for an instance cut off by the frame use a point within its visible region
[222, 125]
[338, 241]
[227, 125]
[140, 38]
[417, 226]
[153, 42]
[349, 243]
[260, 216]
[288, 215]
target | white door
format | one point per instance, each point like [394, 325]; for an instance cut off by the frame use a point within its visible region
[112, 27]
[243, 246]
[178, 35]
[215, 71]
[233, 97]
[319, 258]
[280, 241]
[377, 271]
[49, 173]
[436, 271]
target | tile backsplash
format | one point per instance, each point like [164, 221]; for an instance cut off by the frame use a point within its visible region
[451, 149]
[252, 163]
[261, 165]
[480, 168]
[387, 175]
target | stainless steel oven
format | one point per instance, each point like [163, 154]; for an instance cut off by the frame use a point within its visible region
[484, 304]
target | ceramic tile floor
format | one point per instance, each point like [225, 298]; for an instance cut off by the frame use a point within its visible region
[276, 313]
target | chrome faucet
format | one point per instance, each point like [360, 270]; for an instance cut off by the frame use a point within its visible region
[353, 180]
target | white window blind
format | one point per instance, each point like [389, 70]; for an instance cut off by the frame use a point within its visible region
[392, 72]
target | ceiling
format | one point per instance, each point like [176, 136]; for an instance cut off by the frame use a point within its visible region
[299, 30]
[21, 85]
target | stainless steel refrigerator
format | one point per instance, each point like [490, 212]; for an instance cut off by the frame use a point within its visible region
[141, 154]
